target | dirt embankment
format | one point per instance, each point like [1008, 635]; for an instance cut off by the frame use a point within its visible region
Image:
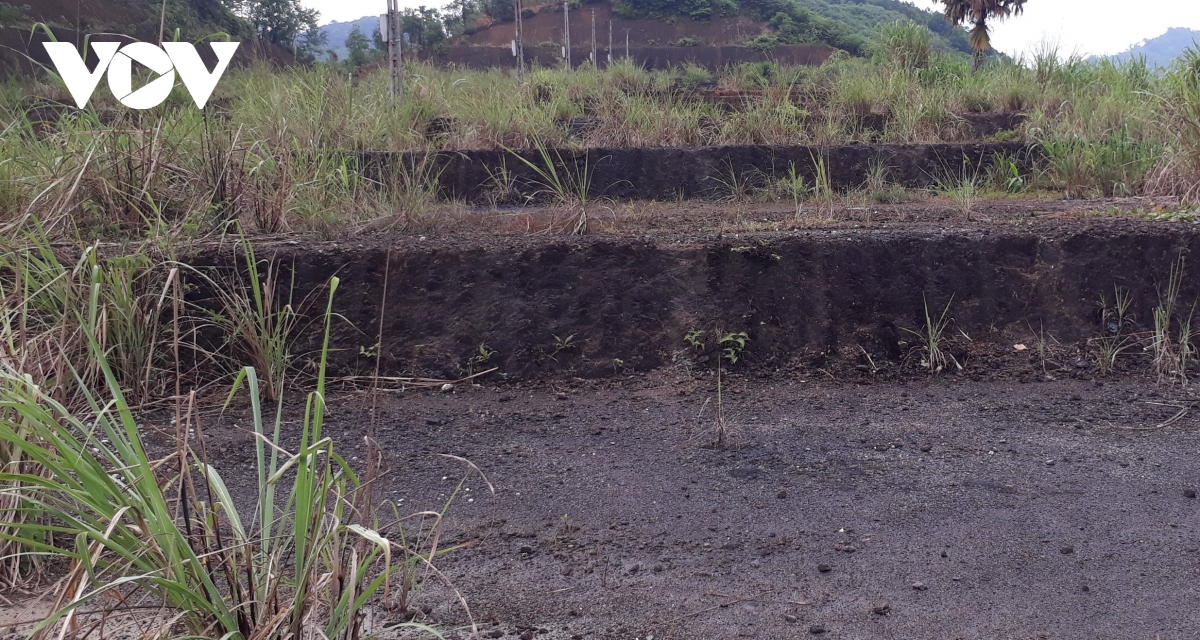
[545, 25]
[666, 57]
[828, 298]
[673, 173]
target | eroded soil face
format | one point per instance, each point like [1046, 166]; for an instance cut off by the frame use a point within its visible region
[838, 293]
[933, 508]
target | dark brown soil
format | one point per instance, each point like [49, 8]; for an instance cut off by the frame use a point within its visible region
[936, 508]
[1027, 495]
[666, 173]
[847, 296]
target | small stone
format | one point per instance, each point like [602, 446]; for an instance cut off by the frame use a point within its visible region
[527, 550]
[926, 448]
[528, 635]
[561, 396]
[882, 610]
[448, 387]
[755, 563]
[1008, 488]
[816, 629]
[1189, 493]
[1067, 550]
[1085, 588]
[783, 494]
[791, 618]
[824, 568]
[919, 586]
[496, 633]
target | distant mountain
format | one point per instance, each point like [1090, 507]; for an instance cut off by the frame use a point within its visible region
[1162, 50]
[337, 32]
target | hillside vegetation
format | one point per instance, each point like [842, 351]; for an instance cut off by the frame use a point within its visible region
[136, 18]
[850, 25]
[845, 24]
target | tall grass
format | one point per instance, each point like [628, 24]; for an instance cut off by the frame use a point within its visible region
[278, 150]
[164, 547]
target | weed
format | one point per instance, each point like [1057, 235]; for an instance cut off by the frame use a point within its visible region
[932, 337]
[731, 345]
[1117, 323]
[823, 185]
[564, 344]
[878, 175]
[197, 559]
[503, 188]
[253, 314]
[568, 183]
[734, 185]
[795, 187]
[1172, 340]
[963, 189]
[1109, 349]
[482, 356]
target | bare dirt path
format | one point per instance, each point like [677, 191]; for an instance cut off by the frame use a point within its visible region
[921, 509]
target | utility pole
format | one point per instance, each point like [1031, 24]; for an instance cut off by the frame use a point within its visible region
[595, 59]
[567, 33]
[519, 42]
[610, 43]
[627, 44]
[395, 59]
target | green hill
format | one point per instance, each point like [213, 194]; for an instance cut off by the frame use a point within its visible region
[846, 24]
[865, 16]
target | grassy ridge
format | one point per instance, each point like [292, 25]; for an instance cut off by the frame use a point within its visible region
[271, 152]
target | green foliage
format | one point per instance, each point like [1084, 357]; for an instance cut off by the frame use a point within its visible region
[692, 76]
[763, 42]
[696, 9]
[732, 345]
[11, 14]
[278, 21]
[359, 47]
[139, 534]
[1116, 164]
[907, 44]
[425, 26]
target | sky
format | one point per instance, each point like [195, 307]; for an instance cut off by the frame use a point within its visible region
[1087, 27]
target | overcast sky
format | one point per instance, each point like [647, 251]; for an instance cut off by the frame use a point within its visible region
[1083, 26]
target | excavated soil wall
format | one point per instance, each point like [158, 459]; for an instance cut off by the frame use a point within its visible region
[594, 306]
[671, 173]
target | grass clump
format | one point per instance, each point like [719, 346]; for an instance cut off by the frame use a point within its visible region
[305, 557]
